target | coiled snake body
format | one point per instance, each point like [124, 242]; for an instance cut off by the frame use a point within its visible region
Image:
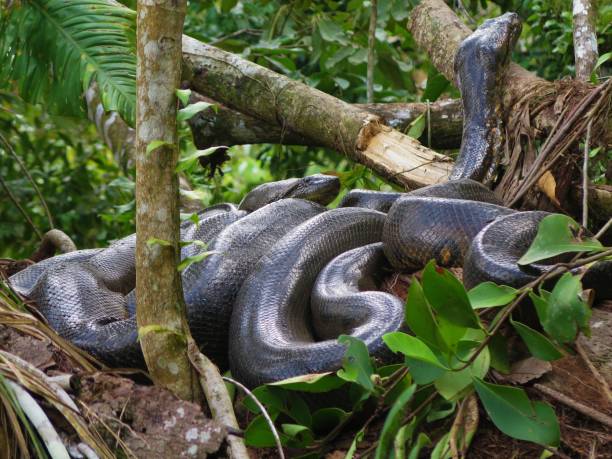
[287, 276]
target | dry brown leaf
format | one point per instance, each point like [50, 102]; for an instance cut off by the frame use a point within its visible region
[548, 185]
[527, 370]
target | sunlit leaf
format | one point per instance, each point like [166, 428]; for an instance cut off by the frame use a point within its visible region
[558, 234]
[515, 415]
[393, 422]
[356, 364]
[488, 295]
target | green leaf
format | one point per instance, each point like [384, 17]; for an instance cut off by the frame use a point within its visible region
[399, 386]
[358, 438]
[441, 409]
[314, 383]
[420, 319]
[259, 435]
[602, 60]
[277, 400]
[191, 110]
[302, 435]
[156, 241]
[183, 95]
[453, 384]
[436, 85]
[448, 297]
[539, 346]
[412, 347]
[442, 448]
[488, 295]
[558, 234]
[155, 144]
[393, 422]
[327, 419]
[416, 128]
[356, 364]
[565, 314]
[54, 57]
[188, 261]
[515, 415]
[498, 348]
[332, 32]
[421, 442]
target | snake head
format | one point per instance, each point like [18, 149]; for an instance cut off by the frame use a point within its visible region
[318, 188]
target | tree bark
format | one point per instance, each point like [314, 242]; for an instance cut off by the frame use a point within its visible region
[584, 15]
[160, 309]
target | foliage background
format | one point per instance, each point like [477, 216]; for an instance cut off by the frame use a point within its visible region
[323, 44]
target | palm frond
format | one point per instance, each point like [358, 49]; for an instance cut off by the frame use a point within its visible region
[52, 49]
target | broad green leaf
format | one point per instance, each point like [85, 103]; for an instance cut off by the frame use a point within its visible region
[602, 60]
[421, 442]
[441, 409]
[188, 261]
[424, 372]
[417, 127]
[302, 435]
[332, 32]
[191, 110]
[193, 217]
[350, 454]
[315, 383]
[488, 295]
[277, 400]
[259, 435]
[420, 319]
[566, 313]
[393, 422]
[412, 347]
[558, 234]
[326, 419]
[442, 448]
[356, 364]
[498, 349]
[56, 49]
[436, 85]
[515, 415]
[539, 345]
[448, 297]
[155, 144]
[453, 384]
[183, 95]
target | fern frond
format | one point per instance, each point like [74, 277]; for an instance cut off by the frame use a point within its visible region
[52, 49]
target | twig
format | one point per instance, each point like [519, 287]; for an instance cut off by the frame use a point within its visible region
[586, 410]
[428, 124]
[371, 51]
[558, 137]
[40, 421]
[595, 371]
[265, 414]
[556, 270]
[585, 177]
[604, 228]
[217, 397]
[25, 170]
[14, 200]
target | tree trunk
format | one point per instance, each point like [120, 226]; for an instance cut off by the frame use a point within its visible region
[160, 309]
[585, 40]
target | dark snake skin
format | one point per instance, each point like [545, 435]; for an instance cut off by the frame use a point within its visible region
[287, 276]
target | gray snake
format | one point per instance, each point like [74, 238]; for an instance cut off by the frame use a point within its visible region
[287, 276]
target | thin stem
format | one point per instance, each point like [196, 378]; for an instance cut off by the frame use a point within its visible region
[265, 414]
[585, 177]
[371, 51]
[14, 200]
[557, 270]
[603, 229]
[25, 170]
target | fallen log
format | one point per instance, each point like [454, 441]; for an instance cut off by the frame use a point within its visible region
[264, 94]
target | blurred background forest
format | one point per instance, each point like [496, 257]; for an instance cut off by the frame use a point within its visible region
[323, 44]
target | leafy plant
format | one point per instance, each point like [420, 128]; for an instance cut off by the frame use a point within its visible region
[448, 350]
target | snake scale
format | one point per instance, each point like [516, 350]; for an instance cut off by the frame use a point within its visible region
[287, 275]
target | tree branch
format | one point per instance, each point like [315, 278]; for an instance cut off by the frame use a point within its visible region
[584, 14]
